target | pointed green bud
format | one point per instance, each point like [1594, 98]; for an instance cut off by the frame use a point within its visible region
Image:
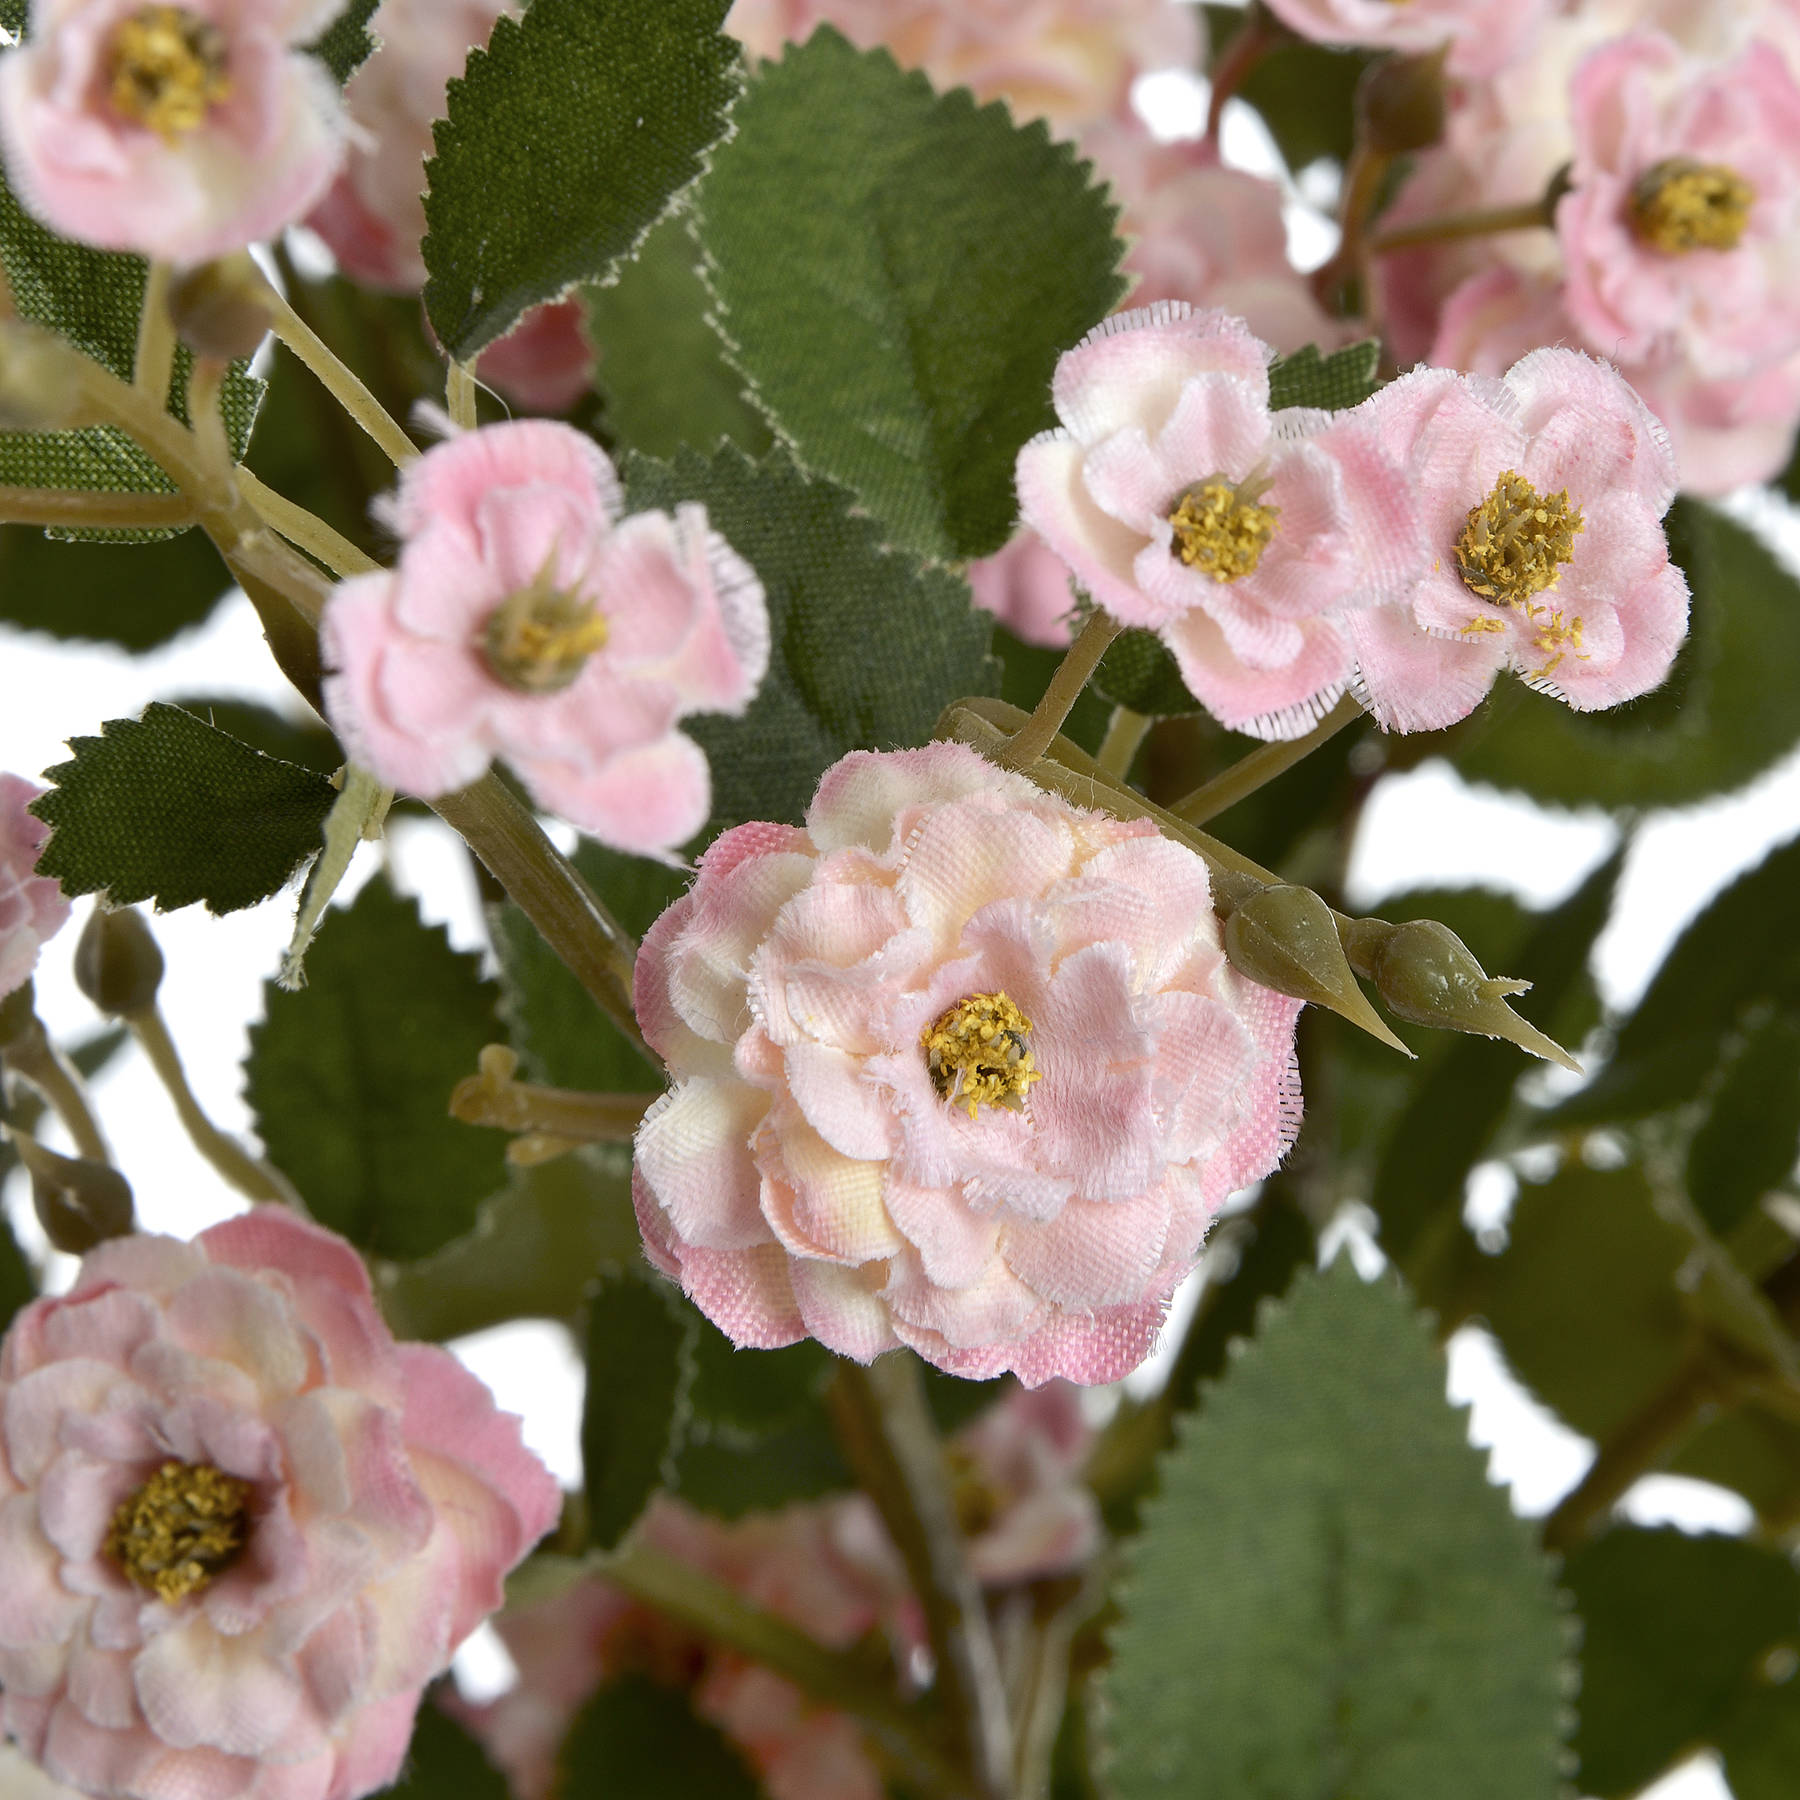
[1286, 938]
[117, 963]
[1428, 976]
[78, 1203]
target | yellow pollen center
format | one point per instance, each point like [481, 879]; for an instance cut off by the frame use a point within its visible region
[180, 1529]
[1220, 532]
[1516, 541]
[979, 1054]
[1681, 205]
[167, 70]
[538, 639]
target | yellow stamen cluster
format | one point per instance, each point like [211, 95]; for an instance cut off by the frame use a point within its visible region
[539, 639]
[1680, 205]
[180, 1529]
[1220, 531]
[166, 69]
[1516, 541]
[979, 1053]
[1553, 639]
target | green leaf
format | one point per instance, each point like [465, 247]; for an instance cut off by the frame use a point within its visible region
[18, 1286]
[637, 1741]
[1584, 1300]
[1717, 722]
[731, 1473]
[135, 595]
[1750, 1139]
[1327, 1596]
[1138, 671]
[262, 728]
[568, 137]
[663, 378]
[756, 1392]
[444, 1762]
[346, 44]
[1305, 92]
[1755, 1453]
[1673, 1630]
[897, 273]
[1762, 1743]
[350, 1079]
[1333, 383]
[165, 808]
[640, 1370]
[868, 646]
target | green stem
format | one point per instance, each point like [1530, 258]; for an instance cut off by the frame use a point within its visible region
[344, 386]
[127, 512]
[1072, 673]
[459, 395]
[1528, 215]
[38, 1060]
[304, 529]
[154, 363]
[494, 1098]
[1125, 734]
[1261, 766]
[252, 1178]
[1260, 33]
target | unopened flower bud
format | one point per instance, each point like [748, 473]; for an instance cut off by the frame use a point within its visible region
[1400, 103]
[1286, 938]
[221, 309]
[1428, 976]
[78, 1203]
[117, 963]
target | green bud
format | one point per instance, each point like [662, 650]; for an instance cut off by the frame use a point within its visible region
[221, 309]
[1286, 938]
[1427, 976]
[1400, 103]
[18, 1016]
[79, 1203]
[117, 963]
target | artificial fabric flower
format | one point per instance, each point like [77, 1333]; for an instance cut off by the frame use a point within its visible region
[32, 907]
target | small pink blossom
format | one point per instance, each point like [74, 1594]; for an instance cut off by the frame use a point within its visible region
[32, 907]
[368, 1500]
[527, 618]
[1681, 231]
[1019, 1473]
[545, 363]
[1026, 587]
[1482, 35]
[1576, 591]
[839, 1157]
[182, 132]
[1241, 537]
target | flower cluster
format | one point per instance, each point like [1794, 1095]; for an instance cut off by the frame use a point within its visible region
[1406, 550]
[32, 907]
[528, 618]
[958, 1066]
[241, 1528]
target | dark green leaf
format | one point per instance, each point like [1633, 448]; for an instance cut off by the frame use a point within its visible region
[346, 43]
[637, 1741]
[165, 808]
[663, 378]
[1718, 721]
[92, 1055]
[1789, 479]
[1305, 92]
[1750, 1139]
[18, 1286]
[730, 1473]
[134, 595]
[640, 1370]
[1137, 671]
[869, 647]
[1334, 383]
[350, 1079]
[1762, 1741]
[445, 1763]
[956, 1401]
[568, 137]
[1583, 1299]
[756, 1391]
[262, 728]
[1673, 1628]
[897, 273]
[1327, 1596]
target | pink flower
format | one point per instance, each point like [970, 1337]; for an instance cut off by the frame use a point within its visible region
[1483, 35]
[179, 131]
[1542, 496]
[1026, 588]
[545, 362]
[527, 619]
[32, 907]
[827, 1568]
[1726, 432]
[240, 1527]
[1241, 537]
[1682, 230]
[958, 1066]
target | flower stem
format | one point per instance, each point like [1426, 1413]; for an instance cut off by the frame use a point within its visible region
[1261, 766]
[254, 1179]
[1260, 33]
[128, 512]
[304, 529]
[154, 362]
[32, 1055]
[1125, 735]
[459, 395]
[343, 384]
[891, 1441]
[1071, 676]
[1478, 222]
[494, 1098]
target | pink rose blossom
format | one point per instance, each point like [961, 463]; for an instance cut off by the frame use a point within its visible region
[1482, 35]
[1026, 587]
[1240, 537]
[528, 619]
[1726, 432]
[32, 907]
[182, 132]
[1682, 228]
[360, 1502]
[1542, 496]
[841, 1157]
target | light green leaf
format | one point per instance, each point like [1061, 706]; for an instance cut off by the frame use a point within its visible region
[568, 137]
[637, 1741]
[1327, 1596]
[869, 647]
[897, 273]
[349, 1079]
[1333, 383]
[165, 808]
